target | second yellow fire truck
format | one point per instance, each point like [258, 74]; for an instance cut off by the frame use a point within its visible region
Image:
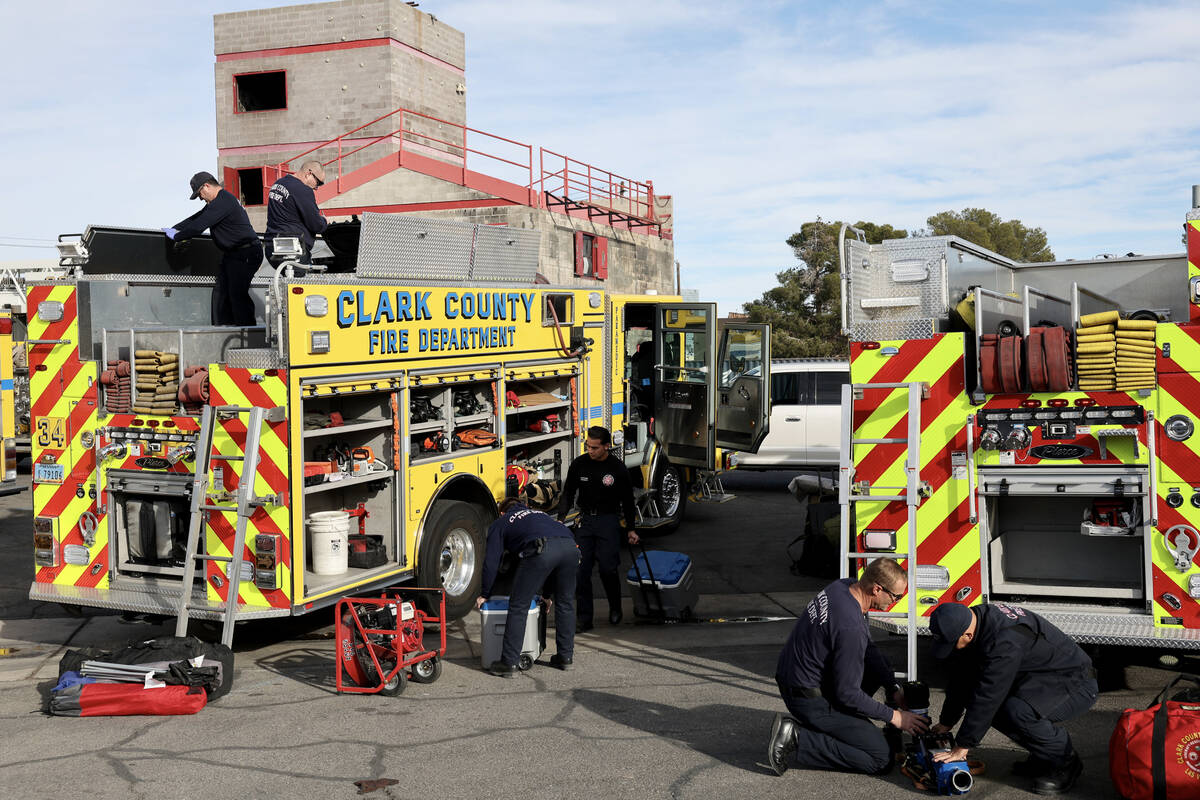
[184, 468]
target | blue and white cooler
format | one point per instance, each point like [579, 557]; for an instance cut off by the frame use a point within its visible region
[495, 616]
[671, 594]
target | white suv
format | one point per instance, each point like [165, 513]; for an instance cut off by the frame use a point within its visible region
[806, 415]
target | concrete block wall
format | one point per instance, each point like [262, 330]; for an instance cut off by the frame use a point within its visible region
[334, 87]
[332, 90]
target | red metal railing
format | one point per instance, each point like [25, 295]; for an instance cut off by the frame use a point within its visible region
[575, 181]
[565, 179]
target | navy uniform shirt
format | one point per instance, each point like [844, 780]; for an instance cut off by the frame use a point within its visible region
[225, 219]
[513, 531]
[603, 486]
[1009, 644]
[830, 648]
[292, 210]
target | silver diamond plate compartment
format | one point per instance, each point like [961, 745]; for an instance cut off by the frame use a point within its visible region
[916, 281]
[506, 254]
[421, 249]
[254, 358]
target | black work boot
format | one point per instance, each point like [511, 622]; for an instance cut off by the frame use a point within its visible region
[1032, 767]
[1060, 779]
[502, 670]
[558, 662]
[612, 590]
[783, 743]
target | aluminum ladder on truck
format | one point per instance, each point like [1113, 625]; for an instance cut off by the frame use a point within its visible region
[911, 494]
[246, 503]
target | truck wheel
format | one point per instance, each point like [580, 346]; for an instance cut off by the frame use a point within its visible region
[427, 671]
[451, 556]
[670, 492]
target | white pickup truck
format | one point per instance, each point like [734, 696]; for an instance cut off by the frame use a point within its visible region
[806, 413]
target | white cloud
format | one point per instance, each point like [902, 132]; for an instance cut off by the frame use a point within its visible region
[755, 116]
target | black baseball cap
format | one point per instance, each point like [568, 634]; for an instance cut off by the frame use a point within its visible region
[198, 180]
[948, 623]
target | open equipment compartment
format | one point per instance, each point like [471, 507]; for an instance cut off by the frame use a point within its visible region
[541, 423]
[151, 513]
[1039, 545]
[350, 457]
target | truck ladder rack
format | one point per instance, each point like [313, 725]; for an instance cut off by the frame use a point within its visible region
[851, 492]
[246, 503]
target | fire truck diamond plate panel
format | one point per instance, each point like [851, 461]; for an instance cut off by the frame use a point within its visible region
[423, 249]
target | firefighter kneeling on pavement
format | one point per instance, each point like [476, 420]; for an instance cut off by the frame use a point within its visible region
[1013, 670]
[828, 671]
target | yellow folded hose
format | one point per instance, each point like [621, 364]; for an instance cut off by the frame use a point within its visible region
[1101, 318]
[1137, 324]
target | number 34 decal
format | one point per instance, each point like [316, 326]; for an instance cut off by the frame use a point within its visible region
[52, 432]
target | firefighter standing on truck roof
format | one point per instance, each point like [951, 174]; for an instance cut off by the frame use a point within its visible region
[1012, 670]
[241, 252]
[292, 210]
[827, 673]
[605, 498]
[545, 552]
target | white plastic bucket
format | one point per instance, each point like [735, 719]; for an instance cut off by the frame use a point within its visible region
[327, 541]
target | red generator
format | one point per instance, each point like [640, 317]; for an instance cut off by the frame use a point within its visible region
[381, 642]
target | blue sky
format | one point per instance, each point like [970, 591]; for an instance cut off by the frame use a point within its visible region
[1081, 118]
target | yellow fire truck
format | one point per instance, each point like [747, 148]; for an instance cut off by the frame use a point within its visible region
[1025, 433]
[8, 412]
[383, 389]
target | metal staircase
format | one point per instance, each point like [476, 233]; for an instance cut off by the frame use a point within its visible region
[911, 493]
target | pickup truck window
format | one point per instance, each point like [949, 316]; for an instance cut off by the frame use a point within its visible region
[828, 390]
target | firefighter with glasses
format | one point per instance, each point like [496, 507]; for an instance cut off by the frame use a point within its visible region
[829, 671]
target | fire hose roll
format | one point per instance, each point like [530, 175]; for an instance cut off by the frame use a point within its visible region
[1101, 318]
[1137, 324]
[1095, 348]
[1137, 335]
[1010, 364]
[1093, 330]
[1035, 360]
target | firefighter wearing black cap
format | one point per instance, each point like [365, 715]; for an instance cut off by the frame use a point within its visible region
[605, 498]
[1014, 671]
[241, 252]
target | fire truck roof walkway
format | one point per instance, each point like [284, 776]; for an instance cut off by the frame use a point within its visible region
[510, 172]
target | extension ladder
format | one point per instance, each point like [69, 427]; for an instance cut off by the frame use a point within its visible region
[246, 502]
[911, 493]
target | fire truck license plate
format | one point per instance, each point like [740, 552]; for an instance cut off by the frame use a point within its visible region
[49, 473]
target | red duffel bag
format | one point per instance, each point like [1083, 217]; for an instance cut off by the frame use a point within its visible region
[1155, 754]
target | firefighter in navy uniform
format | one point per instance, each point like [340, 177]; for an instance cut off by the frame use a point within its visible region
[1012, 670]
[605, 499]
[827, 673]
[241, 252]
[292, 210]
[546, 555]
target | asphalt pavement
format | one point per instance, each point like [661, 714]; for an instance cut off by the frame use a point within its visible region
[650, 711]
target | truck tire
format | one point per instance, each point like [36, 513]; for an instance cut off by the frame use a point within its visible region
[451, 556]
[670, 491]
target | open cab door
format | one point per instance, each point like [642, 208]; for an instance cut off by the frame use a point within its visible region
[685, 396]
[743, 386]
